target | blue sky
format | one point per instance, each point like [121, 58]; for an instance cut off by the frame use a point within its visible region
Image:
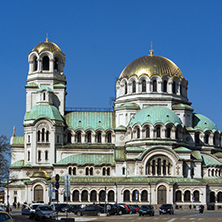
[100, 38]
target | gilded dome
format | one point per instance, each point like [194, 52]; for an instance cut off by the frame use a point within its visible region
[47, 46]
[151, 65]
[40, 174]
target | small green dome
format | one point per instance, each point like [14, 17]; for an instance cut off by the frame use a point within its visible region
[155, 114]
[203, 123]
[43, 111]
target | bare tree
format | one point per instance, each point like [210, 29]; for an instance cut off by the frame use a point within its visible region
[4, 159]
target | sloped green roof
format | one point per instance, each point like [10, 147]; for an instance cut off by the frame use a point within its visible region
[90, 120]
[32, 85]
[43, 111]
[121, 128]
[136, 149]
[18, 163]
[196, 154]
[87, 158]
[182, 106]
[218, 154]
[155, 114]
[203, 123]
[18, 140]
[128, 105]
[182, 149]
[209, 161]
[44, 88]
[59, 85]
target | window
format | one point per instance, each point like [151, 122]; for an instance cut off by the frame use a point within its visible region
[165, 86]
[28, 155]
[45, 61]
[99, 137]
[56, 64]
[87, 171]
[109, 138]
[168, 132]
[108, 171]
[197, 137]
[28, 138]
[126, 196]
[47, 136]
[46, 155]
[158, 132]
[187, 196]
[123, 171]
[104, 171]
[74, 171]
[69, 138]
[154, 86]
[39, 155]
[144, 86]
[91, 171]
[134, 87]
[174, 87]
[147, 132]
[206, 138]
[39, 133]
[43, 135]
[44, 96]
[125, 87]
[144, 196]
[89, 137]
[70, 171]
[57, 139]
[178, 196]
[138, 133]
[79, 137]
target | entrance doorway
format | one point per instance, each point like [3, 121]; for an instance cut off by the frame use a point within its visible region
[38, 193]
[161, 195]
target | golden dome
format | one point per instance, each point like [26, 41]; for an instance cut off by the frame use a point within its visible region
[40, 174]
[151, 65]
[47, 46]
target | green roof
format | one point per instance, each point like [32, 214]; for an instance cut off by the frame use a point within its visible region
[18, 163]
[128, 105]
[59, 85]
[121, 127]
[120, 154]
[90, 120]
[136, 149]
[210, 161]
[182, 106]
[43, 111]
[31, 85]
[87, 158]
[218, 154]
[197, 155]
[44, 88]
[203, 123]
[18, 140]
[182, 149]
[155, 114]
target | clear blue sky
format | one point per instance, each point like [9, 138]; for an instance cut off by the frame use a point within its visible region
[101, 37]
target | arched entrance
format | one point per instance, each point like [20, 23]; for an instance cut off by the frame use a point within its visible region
[161, 195]
[38, 193]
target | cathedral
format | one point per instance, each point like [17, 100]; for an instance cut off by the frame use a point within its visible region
[151, 148]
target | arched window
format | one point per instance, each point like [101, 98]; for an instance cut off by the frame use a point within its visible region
[197, 138]
[44, 96]
[39, 133]
[219, 197]
[135, 195]
[91, 171]
[153, 167]
[144, 196]
[164, 167]
[109, 138]
[89, 136]
[108, 171]
[178, 196]
[99, 137]
[47, 136]
[196, 196]
[87, 171]
[79, 137]
[187, 196]
[74, 171]
[159, 166]
[174, 87]
[144, 85]
[43, 135]
[158, 132]
[56, 64]
[102, 196]
[35, 64]
[123, 171]
[75, 196]
[70, 170]
[147, 132]
[206, 138]
[138, 133]
[212, 172]
[126, 196]
[39, 155]
[165, 86]
[154, 86]
[111, 196]
[93, 196]
[104, 171]
[46, 155]
[84, 196]
[125, 87]
[177, 133]
[69, 139]
[168, 132]
[134, 87]
[28, 155]
[45, 62]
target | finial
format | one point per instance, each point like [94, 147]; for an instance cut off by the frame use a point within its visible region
[151, 50]
[13, 132]
[47, 37]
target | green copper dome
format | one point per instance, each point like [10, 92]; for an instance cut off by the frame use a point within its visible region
[43, 111]
[203, 123]
[155, 114]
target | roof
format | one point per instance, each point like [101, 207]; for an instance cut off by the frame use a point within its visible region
[43, 111]
[197, 155]
[88, 158]
[44, 88]
[151, 65]
[209, 161]
[46, 46]
[182, 149]
[136, 149]
[18, 163]
[128, 105]
[203, 123]
[182, 106]
[155, 114]
[18, 140]
[90, 120]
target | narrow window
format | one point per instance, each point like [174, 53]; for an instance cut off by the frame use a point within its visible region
[99, 137]
[168, 132]
[134, 87]
[44, 96]
[109, 138]
[28, 155]
[104, 171]
[158, 132]
[154, 86]
[78, 137]
[56, 64]
[39, 133]
[74, 171]
[164, 167]
[144, 86]
[123, 171]
[108, 171]
[138, 133]
[147, 132]
[28, 138]
[70, 171]
[159, 166]
[197, 137]
[57, 139]
[45, 61]
[153, 167]
[91, 171]
[69, 139]
[174, 87]
[125, 87]
[165, 86]
[181, 90]
[87, 171]
[43, 135]
[39, 155]
[89, 137]
[206, 138]
[46, 155]
[47, 136]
